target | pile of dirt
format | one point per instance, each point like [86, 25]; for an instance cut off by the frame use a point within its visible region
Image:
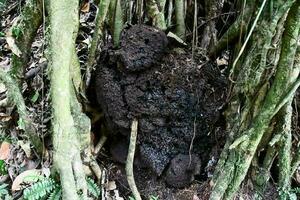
[176, 100]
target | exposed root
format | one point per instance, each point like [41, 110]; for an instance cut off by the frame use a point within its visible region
[130, 159]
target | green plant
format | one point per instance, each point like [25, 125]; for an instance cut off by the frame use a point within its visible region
[3, 169]
[16, 32]
[152, 197]
[40, 189]
[2, 34]
[49, 189]
[93, 188]
[4, 194]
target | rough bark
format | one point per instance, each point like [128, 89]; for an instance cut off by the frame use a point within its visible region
[245, 136]
[27, 27]
[70, 125]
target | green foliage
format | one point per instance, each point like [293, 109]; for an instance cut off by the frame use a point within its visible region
[93, 188]
[152, 197]
[40, 189]
[35, 97]
[2, 5]
[16, 32]
[2, 34]
[289, 195]
[4, 194]
[3, 169]
[3, 190]
[50, 189]
[56, 194]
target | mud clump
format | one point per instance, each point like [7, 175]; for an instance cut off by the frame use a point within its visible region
[176, 100]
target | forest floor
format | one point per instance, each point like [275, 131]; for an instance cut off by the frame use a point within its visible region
[177, 83]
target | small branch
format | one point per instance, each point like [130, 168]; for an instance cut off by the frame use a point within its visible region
[130, 159]
[15, 95]
[100, 144]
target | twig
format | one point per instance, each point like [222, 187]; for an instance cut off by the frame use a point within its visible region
[100, 145]
[130, 159]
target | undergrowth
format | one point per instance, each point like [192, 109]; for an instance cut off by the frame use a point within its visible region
[49, 189]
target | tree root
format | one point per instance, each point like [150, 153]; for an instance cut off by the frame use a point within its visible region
[235, 162]
[130, 159]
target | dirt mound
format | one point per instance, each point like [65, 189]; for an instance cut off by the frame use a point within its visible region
[175, 99]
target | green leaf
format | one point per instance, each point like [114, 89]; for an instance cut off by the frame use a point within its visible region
[2, 34]
[152, 197]
[35, 97]
[21, 124]
[93, 188]
[3, 190]
[16, 32]
[40, 189]
[56, 194]
[3, 170]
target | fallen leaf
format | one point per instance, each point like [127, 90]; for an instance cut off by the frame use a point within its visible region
[85, 7]
[195, 197]
[2, 88]
[222, 61]
[4, 150]
[5, 118]
[25, 145]
[111, 185]
[13, 46]
[175, 37]
[29, 176]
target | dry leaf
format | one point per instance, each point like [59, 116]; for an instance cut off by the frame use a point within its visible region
[111, 185]
[2, 88]
[12, 46]
[29, 176]
[222, 61]
[175, 37]
[4, 150]
[195, 197]
[85, 7]
[25, 145]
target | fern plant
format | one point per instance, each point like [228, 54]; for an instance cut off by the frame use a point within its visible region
[40, 189]
[4, 194]
[49, 189]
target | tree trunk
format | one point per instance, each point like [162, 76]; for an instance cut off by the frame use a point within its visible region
[247, 125]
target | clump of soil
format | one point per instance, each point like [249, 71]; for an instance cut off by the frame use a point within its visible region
[176, 100]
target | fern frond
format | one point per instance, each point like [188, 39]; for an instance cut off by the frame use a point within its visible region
[55, 194]
[40, 189]
[3, 190]
[93, 188]
[296, 190]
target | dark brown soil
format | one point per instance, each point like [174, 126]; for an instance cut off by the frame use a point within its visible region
[176, 100]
